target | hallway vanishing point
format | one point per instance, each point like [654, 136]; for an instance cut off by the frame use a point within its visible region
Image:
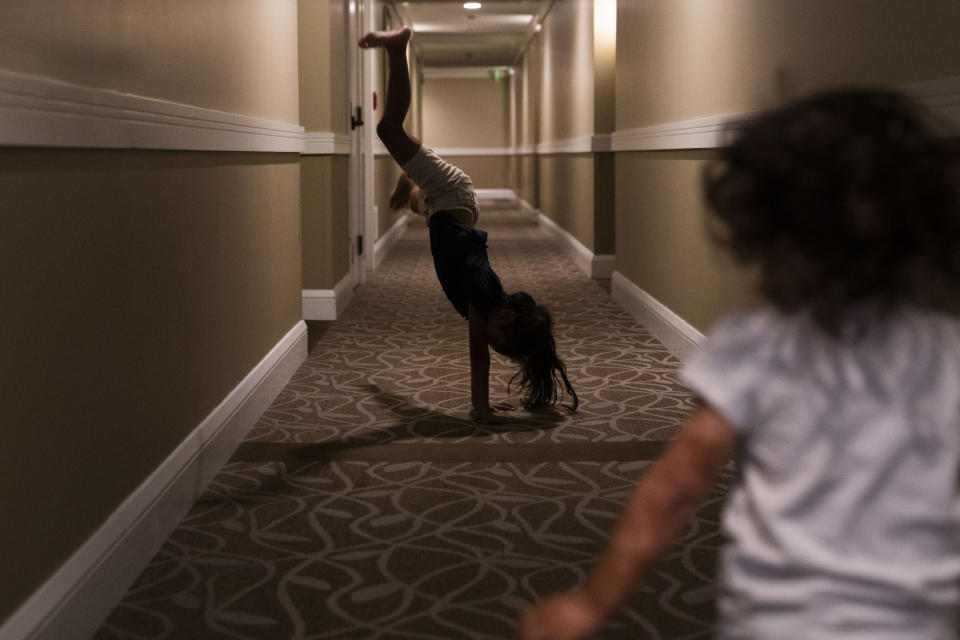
[365, 503]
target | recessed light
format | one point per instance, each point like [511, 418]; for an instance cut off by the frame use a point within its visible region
[472, 5]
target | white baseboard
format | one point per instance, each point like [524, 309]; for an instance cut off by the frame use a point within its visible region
[595, 266]
[529, 210]
[676, 334]
[328, 304]
[603, 266]
[385, 242]
[74, 602]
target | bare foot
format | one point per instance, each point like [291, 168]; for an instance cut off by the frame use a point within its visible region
[392, 38]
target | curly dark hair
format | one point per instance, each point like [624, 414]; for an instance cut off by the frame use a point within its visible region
[531, 345]
[845, 200]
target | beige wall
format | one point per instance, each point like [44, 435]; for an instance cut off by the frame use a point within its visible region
[471, 112]
[139, 287]
[566, 193]
[569, 75]
[604, 65]
[322, 74]
[741, 55]
[529, 87]
[313, 27]
[565, 46]
[238, 57]
[604, 203]
[325, 230]
[466, 112]
[486, 172]
[339, 89]
[323, 108]
[661, 237]
[527, 185]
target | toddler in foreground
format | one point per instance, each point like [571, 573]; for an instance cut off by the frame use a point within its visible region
[840, 400]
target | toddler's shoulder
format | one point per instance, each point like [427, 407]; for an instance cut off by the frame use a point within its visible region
[748, 330]
[733, 365]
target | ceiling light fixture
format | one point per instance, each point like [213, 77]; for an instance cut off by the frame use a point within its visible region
[472, 5]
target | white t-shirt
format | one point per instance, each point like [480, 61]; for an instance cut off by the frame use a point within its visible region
[844, 520]
[444, 186]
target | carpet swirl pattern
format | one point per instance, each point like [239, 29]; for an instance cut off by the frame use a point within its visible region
[365, 504]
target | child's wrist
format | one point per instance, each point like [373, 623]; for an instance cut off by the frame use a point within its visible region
[589, 607]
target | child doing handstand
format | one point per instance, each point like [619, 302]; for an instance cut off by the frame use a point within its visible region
[513, 325]
[840, 400]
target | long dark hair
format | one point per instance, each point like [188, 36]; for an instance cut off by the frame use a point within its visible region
[543, 378]
[845, 200]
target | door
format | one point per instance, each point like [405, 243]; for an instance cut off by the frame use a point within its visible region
[361, 233]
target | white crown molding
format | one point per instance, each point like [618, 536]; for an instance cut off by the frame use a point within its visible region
[458, 73]
[74, 601]
[698, 133]
[940, 96]
[676, 334]
[37, 111]
[583, 144]
[325, 143]
[473, 151]
[586, 144]
[601, 143]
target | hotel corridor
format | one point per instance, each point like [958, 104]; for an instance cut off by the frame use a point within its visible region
[235, 399]
[365, 503]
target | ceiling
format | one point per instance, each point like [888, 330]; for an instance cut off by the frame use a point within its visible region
[448, 35]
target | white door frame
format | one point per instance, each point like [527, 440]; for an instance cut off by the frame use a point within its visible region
[363, 223]
[370, 58]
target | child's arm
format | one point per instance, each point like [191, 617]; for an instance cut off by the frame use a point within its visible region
[662, 503]
[479, 368]
[400, 197]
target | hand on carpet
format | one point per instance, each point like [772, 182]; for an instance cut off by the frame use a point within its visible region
[490, 415]
[566, 616]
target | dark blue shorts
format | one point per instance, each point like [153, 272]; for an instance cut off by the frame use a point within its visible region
[462, 266]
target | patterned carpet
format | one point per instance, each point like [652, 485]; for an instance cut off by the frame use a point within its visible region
[365, 503]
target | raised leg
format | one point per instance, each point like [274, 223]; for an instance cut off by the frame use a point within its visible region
[401, 145]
